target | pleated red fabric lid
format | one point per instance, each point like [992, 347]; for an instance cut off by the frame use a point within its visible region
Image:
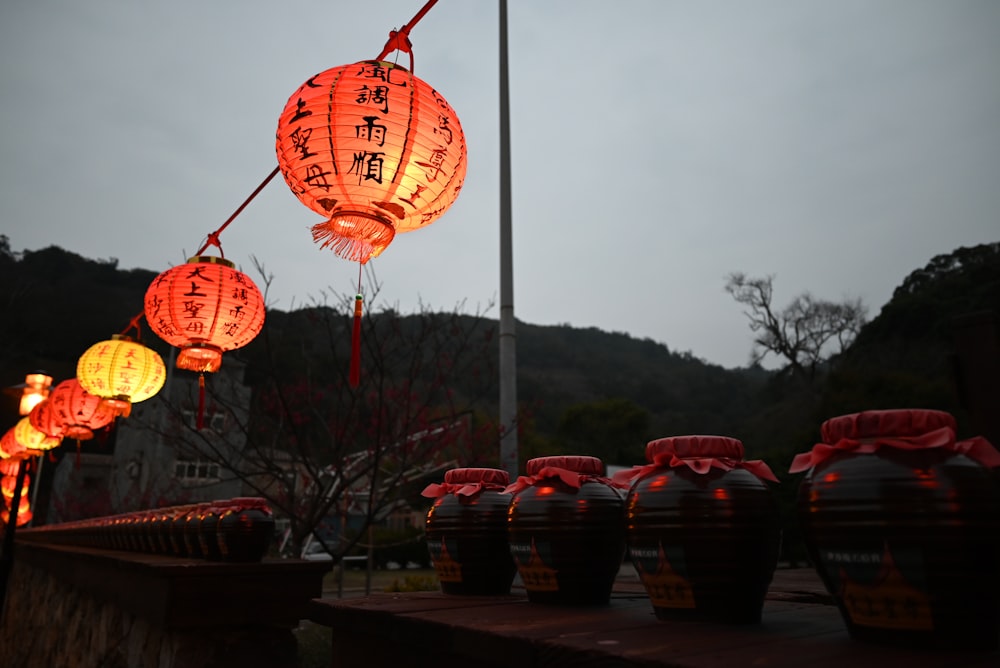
[695, 447]
[897, 422]
[576, 463]
[465, 476]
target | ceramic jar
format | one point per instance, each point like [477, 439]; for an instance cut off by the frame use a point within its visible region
[244, 529]
[902, 523]
[466, 530]
[702, 528]
[566, 531]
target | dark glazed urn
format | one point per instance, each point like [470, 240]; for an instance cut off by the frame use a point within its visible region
[902, 523]
[466, 529]
[566, 531]
[703, 530]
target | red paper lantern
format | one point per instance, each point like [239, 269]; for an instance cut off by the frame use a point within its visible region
[9, 467]
[71, 412]
[374, 150]
[121, 372]
[204, 307]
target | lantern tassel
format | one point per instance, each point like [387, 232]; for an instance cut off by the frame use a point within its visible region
[77, 464]
[200, 419]
[355, 375]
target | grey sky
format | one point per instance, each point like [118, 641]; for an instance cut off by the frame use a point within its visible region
[657, 146]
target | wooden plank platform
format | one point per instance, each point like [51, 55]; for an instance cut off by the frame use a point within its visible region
[799, 627]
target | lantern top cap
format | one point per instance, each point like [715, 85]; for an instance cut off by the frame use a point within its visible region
[121, 337]
[211, 259]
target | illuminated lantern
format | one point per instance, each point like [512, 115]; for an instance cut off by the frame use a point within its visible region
[9, 467]
[372, 149]
[205, 307]
[23, 513]
[121, 371]
[72, 412]
[33, 439]
[9, 447]
[22, 437]
[9, 482]
[36, 389]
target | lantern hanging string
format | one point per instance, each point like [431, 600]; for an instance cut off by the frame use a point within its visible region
[134, 324]
[399, 40]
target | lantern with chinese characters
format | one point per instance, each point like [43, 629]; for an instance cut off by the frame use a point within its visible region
[121, 372]
[71, 412]
[23, 437]
[204, 307]
[374, 150]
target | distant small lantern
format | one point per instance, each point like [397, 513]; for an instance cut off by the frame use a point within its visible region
[72, 412]
[204, 307]
[372, 149]
[36, 389]
[23, 512]
[121, 372]
[8, 484]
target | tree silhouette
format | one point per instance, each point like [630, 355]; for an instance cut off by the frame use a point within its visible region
[806, 334]
[315, 447]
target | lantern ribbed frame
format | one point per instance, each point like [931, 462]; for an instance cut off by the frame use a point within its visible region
[71, 412]
[121, 371]
[204, 307]
[373, 149]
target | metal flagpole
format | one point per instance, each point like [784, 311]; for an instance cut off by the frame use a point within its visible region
[508, 359]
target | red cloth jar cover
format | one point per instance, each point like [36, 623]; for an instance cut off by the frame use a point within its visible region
[906, 429]
[573, 470]
[700, 453]
[467, 482]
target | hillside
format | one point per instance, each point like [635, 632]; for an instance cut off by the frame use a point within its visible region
[57, 303]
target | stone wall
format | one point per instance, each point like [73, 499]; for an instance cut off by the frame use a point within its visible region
[84, 608]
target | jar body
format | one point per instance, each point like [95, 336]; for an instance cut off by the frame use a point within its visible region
[704, 545]
[568, 543]
[244, 534]
[907, 543]
[467, 541]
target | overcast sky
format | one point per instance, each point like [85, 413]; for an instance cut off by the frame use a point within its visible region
[656, 147]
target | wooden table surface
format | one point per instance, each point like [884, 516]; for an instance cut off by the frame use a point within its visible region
[799, 627]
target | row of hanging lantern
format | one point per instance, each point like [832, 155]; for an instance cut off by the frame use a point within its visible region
[369, 146]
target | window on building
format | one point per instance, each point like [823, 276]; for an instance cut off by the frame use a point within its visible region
[214, 420]
[196, 470]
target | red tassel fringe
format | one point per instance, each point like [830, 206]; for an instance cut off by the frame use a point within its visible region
[355, 374]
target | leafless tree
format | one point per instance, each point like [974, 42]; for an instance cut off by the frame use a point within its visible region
[314, 446]
[807, 333]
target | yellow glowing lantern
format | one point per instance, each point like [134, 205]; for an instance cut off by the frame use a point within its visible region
[36, 389]
[121, 371]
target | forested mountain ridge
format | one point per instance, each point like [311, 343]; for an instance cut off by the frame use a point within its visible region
[582, 390]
